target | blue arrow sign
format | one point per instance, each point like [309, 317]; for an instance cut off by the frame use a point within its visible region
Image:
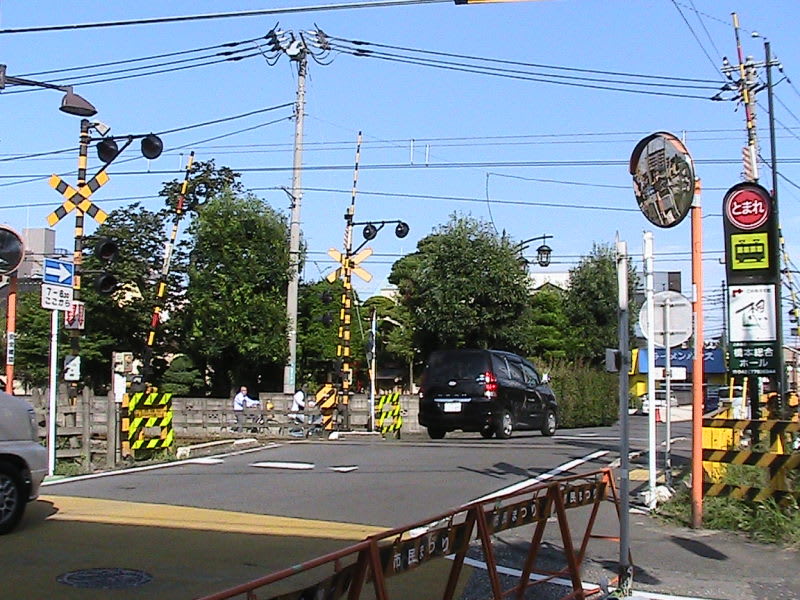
[58, 272]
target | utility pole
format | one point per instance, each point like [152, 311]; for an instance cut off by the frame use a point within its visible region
[748, 85]
[296, 50]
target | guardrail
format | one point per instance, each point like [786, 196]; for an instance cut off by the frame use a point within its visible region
[400, 551]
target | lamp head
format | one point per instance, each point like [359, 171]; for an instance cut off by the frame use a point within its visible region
[152, 146]
[370, 231]
[543, 255]
[401, 230]
[73, 104]
[107, 150]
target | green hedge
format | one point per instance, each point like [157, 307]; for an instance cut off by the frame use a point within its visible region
[587, 397]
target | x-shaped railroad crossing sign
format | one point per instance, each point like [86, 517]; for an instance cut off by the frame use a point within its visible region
[78, 199]
[349, 263]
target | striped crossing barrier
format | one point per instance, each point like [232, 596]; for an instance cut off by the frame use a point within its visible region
[141, 413]
[387, 414]
[778, 463]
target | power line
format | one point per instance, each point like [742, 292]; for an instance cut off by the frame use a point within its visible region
[212, 16]
[140, 59]
[515, 74]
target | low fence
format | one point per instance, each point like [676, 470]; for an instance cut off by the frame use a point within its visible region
[401, 551]
[83, 432]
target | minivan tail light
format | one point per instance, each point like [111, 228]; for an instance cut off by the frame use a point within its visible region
[490, 384]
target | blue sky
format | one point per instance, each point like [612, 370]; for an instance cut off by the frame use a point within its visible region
[576, 140]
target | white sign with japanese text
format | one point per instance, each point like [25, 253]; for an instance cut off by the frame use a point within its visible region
[56, 297]
[752, 313]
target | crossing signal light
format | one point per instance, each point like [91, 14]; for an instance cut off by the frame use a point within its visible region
[401, 230]
[107, 150]
[152, 146]
[370, 231]
[106, 251]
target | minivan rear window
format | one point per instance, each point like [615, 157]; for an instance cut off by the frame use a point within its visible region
[458, 364]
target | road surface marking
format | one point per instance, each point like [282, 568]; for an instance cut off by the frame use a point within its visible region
[586, 585]
[166, 465]
[343, 469]
[116, 512]
[568, 466]
[297, 466]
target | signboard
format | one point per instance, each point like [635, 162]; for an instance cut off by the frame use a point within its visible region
[754, 345]
[58, 272]
[75, 316]
[672, 306]
[72, 368]
[663, 179]
[751, 245]
[56, 297]
[11, 347]
[676, 373]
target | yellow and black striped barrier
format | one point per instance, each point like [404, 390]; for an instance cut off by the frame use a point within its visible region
[388, 418]
[326, 399]
[727, 435]
[143, 412]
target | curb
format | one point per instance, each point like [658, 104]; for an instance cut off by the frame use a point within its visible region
[215, 447]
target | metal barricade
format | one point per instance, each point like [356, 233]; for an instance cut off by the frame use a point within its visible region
[399, 552]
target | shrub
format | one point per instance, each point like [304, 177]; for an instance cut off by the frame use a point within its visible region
[586, 396]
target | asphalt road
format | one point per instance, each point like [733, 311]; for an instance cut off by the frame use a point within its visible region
[203, 525]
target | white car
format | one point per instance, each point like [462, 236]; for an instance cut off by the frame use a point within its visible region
[660, 401]
[23, 460]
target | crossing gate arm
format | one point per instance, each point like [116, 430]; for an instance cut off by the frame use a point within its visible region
[379, 557]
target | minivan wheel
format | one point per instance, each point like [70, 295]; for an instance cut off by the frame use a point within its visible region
[436, 433]
[12, 498]
[549, 423]
[487, 432]
[505, 425]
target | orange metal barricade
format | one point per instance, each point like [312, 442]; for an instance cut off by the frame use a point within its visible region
[394, 552]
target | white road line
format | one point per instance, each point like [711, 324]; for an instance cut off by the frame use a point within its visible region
[344, 469]
[564, 582]
[568, 466]
[176, 463]
[295, 466]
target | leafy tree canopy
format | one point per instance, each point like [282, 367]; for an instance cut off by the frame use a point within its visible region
[464, 287]
[235, 306]
[591, 303]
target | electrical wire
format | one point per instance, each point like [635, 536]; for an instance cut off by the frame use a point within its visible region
[665, 78]
[694, 34]
[140, 59]
[214, 16]
[515, 74]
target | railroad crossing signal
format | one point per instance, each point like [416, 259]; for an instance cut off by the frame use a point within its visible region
[350, 263]
[78, 199]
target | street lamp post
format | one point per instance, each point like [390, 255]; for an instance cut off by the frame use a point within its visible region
[543, 252]
[71, 104]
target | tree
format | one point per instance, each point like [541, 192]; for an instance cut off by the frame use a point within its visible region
[317, 331]
[181, 377]
[32, 354]
[121, 320]
[464, 287]
[548, 324]
[591, 304]
[235, 304]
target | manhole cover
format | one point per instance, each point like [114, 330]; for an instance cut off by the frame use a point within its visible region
[105, 579]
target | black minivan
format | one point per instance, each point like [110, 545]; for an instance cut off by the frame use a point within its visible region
[489, 391]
